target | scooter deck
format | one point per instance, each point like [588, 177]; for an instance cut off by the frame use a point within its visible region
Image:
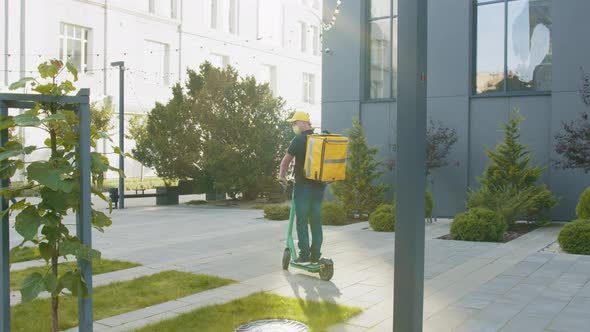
[309, 268]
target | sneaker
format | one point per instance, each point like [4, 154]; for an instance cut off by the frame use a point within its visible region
[302, 261]
[314, 260]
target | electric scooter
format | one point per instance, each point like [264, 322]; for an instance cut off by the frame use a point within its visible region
[325, 266]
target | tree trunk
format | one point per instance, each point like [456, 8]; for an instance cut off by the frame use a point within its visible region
[55, 297]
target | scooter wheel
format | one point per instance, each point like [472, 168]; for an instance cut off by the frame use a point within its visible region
[327, 272]
[286, 258]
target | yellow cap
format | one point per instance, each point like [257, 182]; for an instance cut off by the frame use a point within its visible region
[300, 116]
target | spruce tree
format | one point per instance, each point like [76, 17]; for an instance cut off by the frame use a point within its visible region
[509, 172]
[509, 162]
[360, 193]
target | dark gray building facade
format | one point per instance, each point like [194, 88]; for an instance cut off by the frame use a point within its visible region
[485, 58]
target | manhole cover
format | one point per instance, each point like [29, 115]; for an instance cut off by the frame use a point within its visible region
[273, 325]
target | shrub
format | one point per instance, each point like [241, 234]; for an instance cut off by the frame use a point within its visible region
[383, 218]
[479, 224]
[277, 212]
[509, 202]
[333, 214]
[574, 238]
[429, 205]
[583, 208]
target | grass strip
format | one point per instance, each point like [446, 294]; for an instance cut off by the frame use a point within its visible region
[115, 299]
[98, 267]
[227, 317]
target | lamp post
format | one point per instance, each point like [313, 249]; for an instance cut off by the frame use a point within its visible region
[411, 170]
[121, 65]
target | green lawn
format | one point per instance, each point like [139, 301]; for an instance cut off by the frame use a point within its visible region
[136, 183]
[115, 299]
[227, 317]
[98, 267]
[23, 254]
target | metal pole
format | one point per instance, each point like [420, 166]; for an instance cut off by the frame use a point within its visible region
[83, 226]
[411, 174]
[6, 51]
[121, 65]
[4, 246]
[23, 45]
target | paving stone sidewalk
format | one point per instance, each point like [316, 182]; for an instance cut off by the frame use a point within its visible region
[468, 286]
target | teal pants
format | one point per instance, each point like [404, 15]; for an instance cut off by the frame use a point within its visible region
[308, 206]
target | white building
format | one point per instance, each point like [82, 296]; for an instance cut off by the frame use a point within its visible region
[278, 41]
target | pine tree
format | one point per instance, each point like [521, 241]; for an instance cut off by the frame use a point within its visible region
[509, 162]
[509, 171]
[359, 193]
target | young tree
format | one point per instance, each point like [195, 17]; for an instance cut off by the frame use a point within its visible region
[101, 114]
[359, 193]
[573, 142]
[509, 171]
[221, 127]
[439, 142]
[57, 179]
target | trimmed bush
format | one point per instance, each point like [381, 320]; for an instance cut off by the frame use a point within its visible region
[479, 224]
[383, 218]
[429, 205]
[574, 238]
[277, 212]
[333, 214]
[583, 208]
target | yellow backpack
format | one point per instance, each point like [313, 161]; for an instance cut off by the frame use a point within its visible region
[326, 158]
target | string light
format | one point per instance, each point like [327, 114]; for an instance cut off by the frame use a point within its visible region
[330, 25]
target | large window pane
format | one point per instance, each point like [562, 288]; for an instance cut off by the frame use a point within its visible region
[380, 59]
[394, 59]
[380, 8]
[529, 45]
[490, 48]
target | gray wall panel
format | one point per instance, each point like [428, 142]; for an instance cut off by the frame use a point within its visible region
[341, 73]
[568, 184]
[571, 44]
[486, 116]
[450, 182]
[536, 127]
[448, 47]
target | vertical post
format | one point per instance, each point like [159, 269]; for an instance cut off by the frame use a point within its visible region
[411, 174]
[6, 35]
[4, 245]
[84, 222]
[121, 65]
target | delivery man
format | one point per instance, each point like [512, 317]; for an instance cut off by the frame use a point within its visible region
[309, 194]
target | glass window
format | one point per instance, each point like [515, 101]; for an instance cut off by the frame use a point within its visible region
[380, 64]
[514, 46]
[213, 14]
[308, 88]
[490, 48]
[303, 36]
[73, 46]
[268, 74]
[380, 8]
[233, 16]
[315, 43]
[529, 45]
[219, 60]
[156, 62]
[382, 50]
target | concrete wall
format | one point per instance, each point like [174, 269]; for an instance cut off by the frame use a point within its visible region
[477, 120]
